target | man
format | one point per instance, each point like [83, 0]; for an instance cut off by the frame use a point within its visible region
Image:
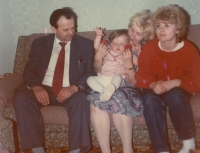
[42, 76]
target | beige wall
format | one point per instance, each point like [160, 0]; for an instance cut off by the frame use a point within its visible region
[23, 17]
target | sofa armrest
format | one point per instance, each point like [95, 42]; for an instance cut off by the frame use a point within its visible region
[8, 86]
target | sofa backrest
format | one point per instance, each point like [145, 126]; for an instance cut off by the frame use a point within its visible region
[24, 44]
[194, 35]
[24, 47]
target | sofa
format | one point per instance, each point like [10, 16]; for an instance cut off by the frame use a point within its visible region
[55, 117]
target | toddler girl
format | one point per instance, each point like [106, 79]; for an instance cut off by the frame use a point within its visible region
[113, 70]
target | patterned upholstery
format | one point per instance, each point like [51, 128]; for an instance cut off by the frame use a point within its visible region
[55, 132]
[6, 135]
[21, 55]
[56, 137]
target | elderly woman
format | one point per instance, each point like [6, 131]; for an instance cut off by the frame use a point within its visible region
[125, 103]
[169, 72]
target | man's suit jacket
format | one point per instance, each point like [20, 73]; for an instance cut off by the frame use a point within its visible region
[81, 60]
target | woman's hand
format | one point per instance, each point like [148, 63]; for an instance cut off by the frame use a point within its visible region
[171, 84]
[127, 58]
[136, 47]
[164, 86]
[157, 87]
[98, 59]
[102, 51]
[135, 60]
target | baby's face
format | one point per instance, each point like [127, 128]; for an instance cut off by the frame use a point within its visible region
[118, 43]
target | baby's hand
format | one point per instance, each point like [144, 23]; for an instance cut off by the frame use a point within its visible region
[99, 31]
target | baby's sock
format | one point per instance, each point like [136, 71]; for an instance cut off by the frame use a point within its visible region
[107, 92]
[188, 145]
[38, 150]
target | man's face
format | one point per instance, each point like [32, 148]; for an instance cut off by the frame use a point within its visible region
[65, 30]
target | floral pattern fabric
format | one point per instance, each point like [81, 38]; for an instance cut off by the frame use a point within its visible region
[126, 100]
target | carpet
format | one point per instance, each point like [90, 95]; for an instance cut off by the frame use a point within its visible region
[116, 149]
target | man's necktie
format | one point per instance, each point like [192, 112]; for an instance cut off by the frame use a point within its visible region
[59, 71]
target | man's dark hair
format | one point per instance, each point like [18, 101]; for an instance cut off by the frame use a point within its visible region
[67, 12]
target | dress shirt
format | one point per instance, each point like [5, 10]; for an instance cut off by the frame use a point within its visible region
[48, 79]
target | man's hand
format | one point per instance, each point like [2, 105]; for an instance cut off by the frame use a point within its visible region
[66, 93]
[41, 95]
[157, 87]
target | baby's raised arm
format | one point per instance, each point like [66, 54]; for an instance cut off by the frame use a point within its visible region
[99, 35]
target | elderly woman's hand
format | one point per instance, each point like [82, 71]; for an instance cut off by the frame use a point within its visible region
[102, 51]
[127, 58]
[136, 48]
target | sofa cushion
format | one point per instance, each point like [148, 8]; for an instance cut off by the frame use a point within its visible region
[34, 36]
[57, 115]
[54, 115]
[88, 34]
[194, 35]
[195, 102]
